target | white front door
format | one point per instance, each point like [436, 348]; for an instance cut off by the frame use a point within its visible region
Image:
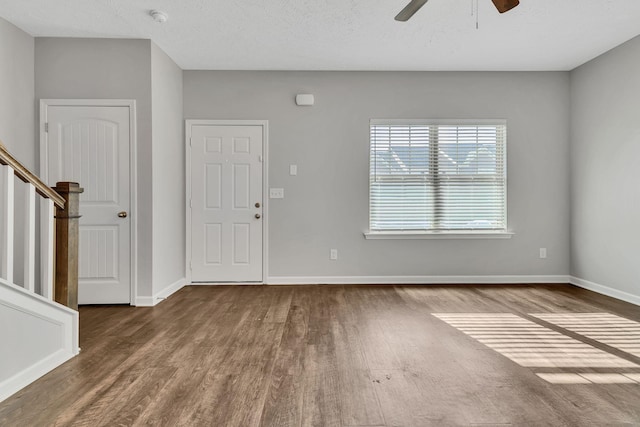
[90, 145]
[226, 203]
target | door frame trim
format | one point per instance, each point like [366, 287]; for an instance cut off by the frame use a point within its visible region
[189, 123]
[133, 167]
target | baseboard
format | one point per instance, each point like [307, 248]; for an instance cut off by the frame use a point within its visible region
[27, 376]
[413, 280]
[171, 289]
[162, 295]
[605, 290]
[145, 302]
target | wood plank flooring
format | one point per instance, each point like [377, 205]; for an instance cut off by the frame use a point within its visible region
[336, 356]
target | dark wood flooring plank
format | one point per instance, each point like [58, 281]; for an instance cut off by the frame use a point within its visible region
[283, 405]
[359, 404]
[321, 403]
[369, 312]
[316, 356]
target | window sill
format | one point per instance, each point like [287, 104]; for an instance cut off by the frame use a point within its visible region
[443, 235]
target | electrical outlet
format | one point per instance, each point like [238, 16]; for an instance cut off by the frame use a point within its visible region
[334, 254]
[276, 193]
[293, 170]
[543, 253]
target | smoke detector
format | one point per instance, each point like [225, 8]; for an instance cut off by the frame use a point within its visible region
[159, 16]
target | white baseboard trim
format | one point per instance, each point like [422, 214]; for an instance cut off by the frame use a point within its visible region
[605, 290]
[226, 283]
[22, 379]
[145, 302]
[162, 295]
[172, 288]
[413, 280]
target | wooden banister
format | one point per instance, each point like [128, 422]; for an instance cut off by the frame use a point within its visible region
[26, 176]
[60, 232]
[67, 240]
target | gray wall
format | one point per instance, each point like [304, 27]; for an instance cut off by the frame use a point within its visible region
[107, 68]
[168, 171]
[326, 204]
[17, 118]
[17, 107]
[605, 177]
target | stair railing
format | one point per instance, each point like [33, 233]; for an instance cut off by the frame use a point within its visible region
[59, 212]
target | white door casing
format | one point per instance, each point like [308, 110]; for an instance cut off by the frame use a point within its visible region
[92, 145]
[225, 201]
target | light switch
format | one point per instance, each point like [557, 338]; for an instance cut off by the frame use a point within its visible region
[276, 193]
[293, 170]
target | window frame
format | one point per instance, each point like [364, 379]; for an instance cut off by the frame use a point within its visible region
[504, 233]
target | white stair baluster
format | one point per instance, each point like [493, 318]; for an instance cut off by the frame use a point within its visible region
[7, 222]
[47, 212]
[30, 239]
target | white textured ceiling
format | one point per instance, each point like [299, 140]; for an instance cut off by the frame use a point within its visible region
[346, 34]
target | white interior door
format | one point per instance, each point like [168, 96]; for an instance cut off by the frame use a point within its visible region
[90, 145]
[226, 203]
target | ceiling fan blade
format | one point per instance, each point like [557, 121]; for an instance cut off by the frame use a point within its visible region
[505, 5]
[410, 9]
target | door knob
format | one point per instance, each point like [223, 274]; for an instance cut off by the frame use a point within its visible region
[258, 216]
[257, 204]
[122, 214]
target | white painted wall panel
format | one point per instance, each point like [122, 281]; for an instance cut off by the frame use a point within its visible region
[37, 335]
[18, 352]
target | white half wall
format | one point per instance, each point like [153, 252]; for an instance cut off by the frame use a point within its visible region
[605, 149]
[37, 335]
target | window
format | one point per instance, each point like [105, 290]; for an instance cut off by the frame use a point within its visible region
[437, 176]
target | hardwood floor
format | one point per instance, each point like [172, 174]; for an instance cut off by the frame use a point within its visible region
[347, 356]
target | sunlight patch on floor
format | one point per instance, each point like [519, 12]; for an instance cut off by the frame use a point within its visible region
[529, 344]
[564, 378]
[590, 378]
[606, 328]
[635, 377]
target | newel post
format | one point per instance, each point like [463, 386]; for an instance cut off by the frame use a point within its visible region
[67, 235]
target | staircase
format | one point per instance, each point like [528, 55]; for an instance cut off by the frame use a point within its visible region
[38, 316]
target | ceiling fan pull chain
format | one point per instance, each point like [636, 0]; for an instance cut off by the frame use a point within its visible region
[477, 15]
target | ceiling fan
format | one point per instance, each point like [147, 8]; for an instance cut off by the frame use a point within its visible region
[415, 5]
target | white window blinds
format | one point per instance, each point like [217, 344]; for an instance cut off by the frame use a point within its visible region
[437, 176]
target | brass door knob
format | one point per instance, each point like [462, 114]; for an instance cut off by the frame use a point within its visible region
[122, 214]
[258, 216]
